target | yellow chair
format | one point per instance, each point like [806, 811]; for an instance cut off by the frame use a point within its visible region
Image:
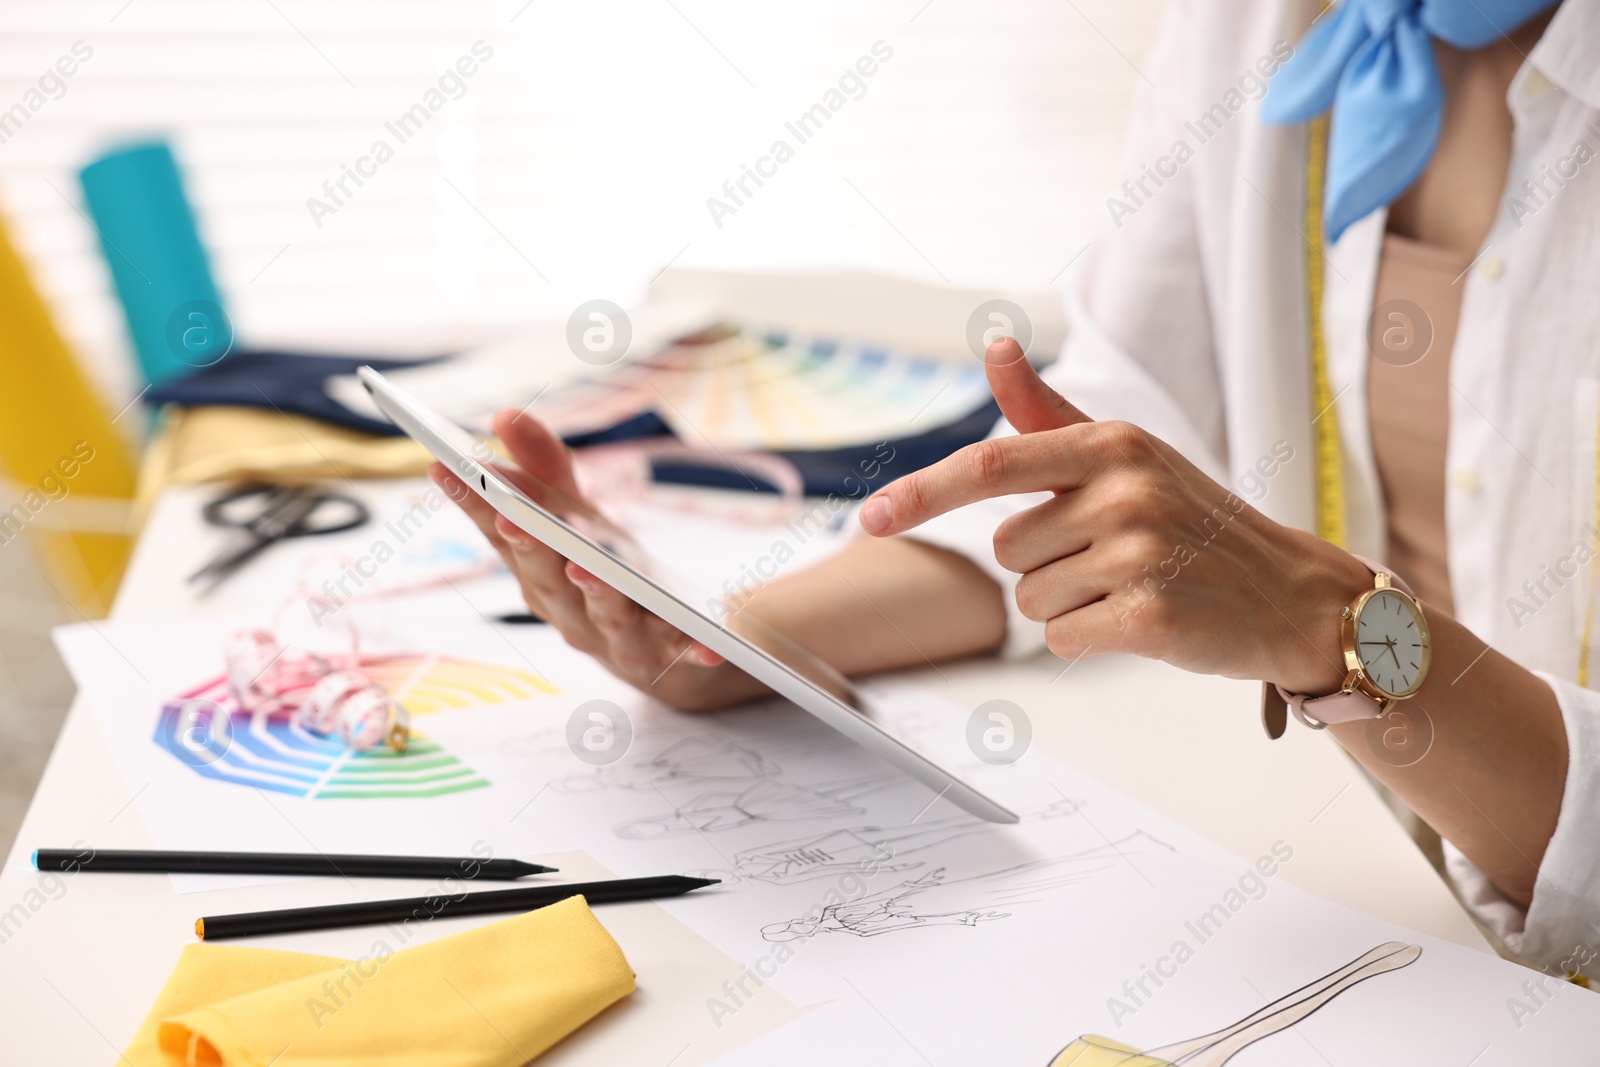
[71, 475]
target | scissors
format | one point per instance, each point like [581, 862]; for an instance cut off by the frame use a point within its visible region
[262, 515]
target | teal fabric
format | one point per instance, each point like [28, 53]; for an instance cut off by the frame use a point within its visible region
[152, 248]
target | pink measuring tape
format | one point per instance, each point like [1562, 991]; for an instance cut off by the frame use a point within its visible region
[324, 696]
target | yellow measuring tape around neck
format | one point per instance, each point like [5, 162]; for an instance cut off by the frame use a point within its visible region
[1594, 547]
[1325, 420]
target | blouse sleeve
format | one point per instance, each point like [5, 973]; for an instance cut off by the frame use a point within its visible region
[1560, 930]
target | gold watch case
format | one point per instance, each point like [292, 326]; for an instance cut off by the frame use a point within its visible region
[1357, 681]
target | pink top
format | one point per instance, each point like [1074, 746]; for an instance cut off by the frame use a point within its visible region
[1416, 302]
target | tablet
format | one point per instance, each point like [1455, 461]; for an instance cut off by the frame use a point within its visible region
[738, 637]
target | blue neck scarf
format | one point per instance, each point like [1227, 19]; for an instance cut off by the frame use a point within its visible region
[1371, 61]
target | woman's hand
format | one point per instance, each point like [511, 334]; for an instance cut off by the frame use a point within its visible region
[1138, 551]
[633, 644]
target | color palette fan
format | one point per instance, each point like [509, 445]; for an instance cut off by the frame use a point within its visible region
[744, 390]
[206, 729]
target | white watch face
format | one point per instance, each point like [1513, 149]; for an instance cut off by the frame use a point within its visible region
[1392, 643]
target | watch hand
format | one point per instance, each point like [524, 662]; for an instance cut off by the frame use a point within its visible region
[1392, 652]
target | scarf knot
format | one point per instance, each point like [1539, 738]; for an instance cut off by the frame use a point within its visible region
[1371, 62]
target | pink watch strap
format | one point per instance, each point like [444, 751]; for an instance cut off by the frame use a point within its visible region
[1324, 711]
[1319, 712]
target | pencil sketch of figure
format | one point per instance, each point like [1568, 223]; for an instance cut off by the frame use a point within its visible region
[931, 900]
[766, 800]
[705, 758]
[879, 848]
[1216, 1049]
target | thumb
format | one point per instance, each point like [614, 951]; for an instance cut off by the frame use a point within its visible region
[1027, 403]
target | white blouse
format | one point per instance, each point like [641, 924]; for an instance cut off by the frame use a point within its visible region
[1187, 318]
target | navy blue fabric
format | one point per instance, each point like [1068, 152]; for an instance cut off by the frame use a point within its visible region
[282, 381]
[852, 471]
[646, 424]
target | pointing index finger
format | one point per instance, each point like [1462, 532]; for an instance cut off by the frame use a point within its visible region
[999, 466]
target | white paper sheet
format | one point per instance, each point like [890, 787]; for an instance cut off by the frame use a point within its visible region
[848, 885]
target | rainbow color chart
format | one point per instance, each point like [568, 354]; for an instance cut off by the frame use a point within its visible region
[773, 391]
[206, 729]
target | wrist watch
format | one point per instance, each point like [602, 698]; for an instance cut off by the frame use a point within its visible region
[1386, 651]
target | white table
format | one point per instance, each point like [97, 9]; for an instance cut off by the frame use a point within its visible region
[79, 968]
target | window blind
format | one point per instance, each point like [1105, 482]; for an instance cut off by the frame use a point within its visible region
[576, 160]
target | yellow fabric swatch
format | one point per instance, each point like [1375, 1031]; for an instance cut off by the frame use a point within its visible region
[208, 444]
[495, 996]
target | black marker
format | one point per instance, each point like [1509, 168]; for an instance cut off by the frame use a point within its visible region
[314, 863]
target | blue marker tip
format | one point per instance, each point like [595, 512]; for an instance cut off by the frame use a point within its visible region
[35, 859]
